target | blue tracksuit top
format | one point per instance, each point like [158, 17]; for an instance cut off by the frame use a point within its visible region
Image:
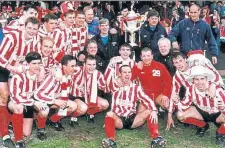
[192, 36]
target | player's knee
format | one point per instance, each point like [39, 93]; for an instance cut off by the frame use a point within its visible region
[83, 108]
[105, 104]
[44, 113]
[180, 115]
[72, 106]
[109, 114]
[18, 108]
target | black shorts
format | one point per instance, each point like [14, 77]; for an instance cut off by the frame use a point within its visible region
[4, 74]
[128, 121]
[72, 98]
[206, 116]
[28, 111]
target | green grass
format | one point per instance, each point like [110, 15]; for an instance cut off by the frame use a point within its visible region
[88, 135]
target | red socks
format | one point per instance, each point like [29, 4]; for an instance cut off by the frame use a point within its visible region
[56, 117]
[110, 130]
[17, 122]
[93, 110]
[153, 128]
[195, 122]
[41, 121]
[4, 121]
[221, 129]
[75, 114]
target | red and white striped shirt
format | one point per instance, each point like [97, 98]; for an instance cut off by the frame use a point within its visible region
[22, 87]
[79, 38]
[15, 25]
[92, 82]
[63, 40]
[124, 100]
[42, 32]
[51, 89]
[112, 71]
[200, 99]
[14, 48]
[78, 84]
[48, 63]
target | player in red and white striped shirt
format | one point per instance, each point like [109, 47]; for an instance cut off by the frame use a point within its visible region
[55, 92]
[124, 114]
[63, 37]
[50, 24]
[79, 34]
[112, 70]
[22, 103]
[13, 50]
[93, 80]
[19, 24]
[198, 108]
[180, 83]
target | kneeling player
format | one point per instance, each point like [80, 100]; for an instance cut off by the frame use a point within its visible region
[55, 91]
[22, 104]
[198, 108]
[123, 113]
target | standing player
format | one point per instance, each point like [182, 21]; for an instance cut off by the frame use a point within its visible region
[123, 112]
[50, 24]
[13, 50]
[19, 24]
[79, 34]
[22, 103]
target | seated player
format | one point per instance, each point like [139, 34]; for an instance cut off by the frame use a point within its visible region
[198, 108]
[112, 71]
[54, 91]
[92, 81]
[123, 113]
[180, 83]
[22, 103]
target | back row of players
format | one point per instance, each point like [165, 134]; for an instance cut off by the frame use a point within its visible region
[44, 75]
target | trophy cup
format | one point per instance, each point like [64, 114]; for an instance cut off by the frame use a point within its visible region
[131, 26]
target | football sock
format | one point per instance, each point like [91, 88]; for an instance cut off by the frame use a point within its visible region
[153, 128]
[221, 129]
[4, 121]
[110, 128]
[55, 117]
[196, 122]
[41, 121]
[17, 122]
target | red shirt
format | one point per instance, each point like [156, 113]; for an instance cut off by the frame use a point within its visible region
[154, 79]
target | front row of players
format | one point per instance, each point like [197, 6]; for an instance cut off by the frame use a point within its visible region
[60, 89]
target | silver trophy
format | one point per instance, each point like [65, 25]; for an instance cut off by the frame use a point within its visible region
[131, 26]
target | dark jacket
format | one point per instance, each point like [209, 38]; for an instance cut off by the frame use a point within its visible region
[111, 49]
[150, 38]
[192, 36]
[167, 62]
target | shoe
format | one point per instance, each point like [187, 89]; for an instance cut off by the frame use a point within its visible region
[201, 131]
[41, 135]
[73, 121]
[57, 125]
[7, 142]
[108, 143]
[90, 118]
[220, 139]
[20, 144]
[158, 142]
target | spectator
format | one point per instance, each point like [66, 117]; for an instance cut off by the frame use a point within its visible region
[107, 42]
[222, 34]
[193, 32]
[205, 15]
[152, 31]
[175, 19]
[108, 13]
[220, 8]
